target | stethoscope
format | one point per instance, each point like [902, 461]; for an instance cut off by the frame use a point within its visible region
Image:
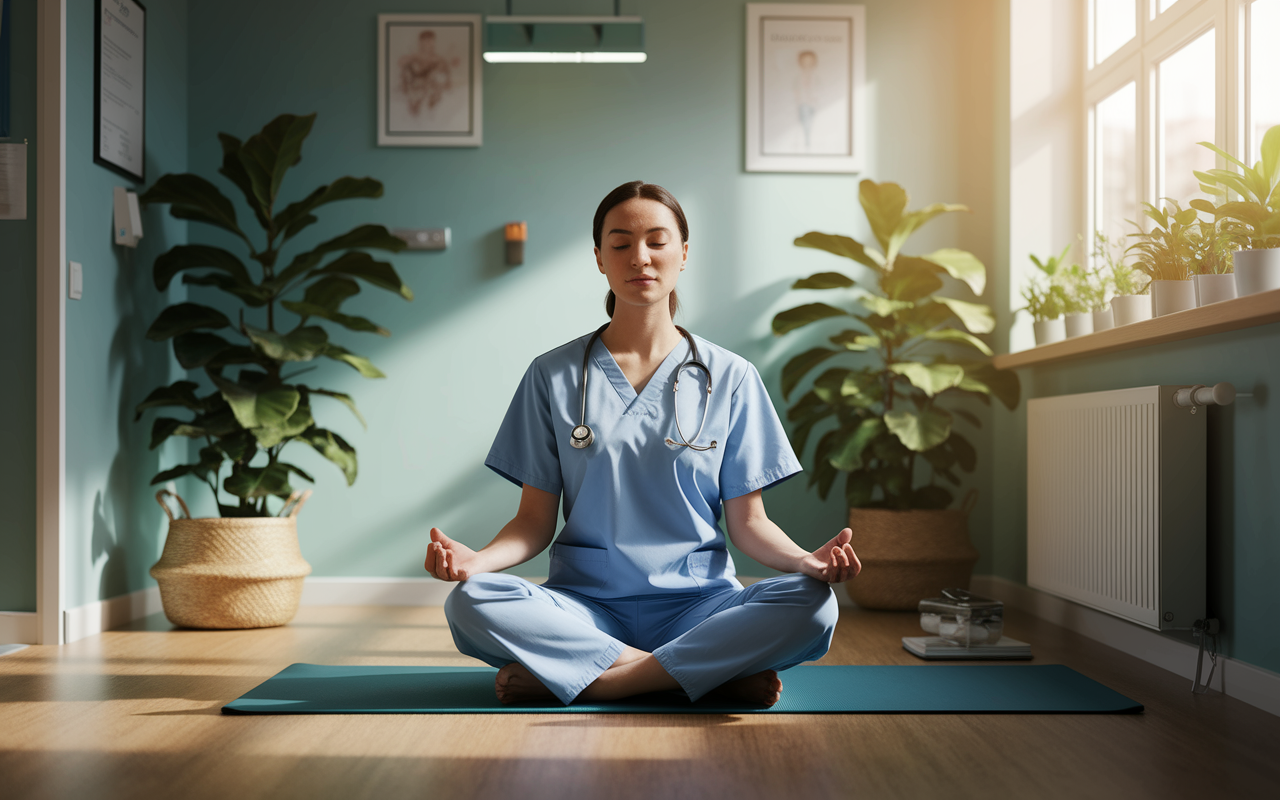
[582, 436]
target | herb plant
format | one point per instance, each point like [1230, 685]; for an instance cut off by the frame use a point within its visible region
[1167, 252]
[1046, 295]
[255, 408]
[907, 358]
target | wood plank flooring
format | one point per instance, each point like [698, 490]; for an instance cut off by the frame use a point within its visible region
[134, 713]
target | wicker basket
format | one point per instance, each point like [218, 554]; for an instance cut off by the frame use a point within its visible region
[909, 555]
[229, 572]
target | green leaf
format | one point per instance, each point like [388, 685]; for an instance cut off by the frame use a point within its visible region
[883, 305]
[367, 236]
[827, 385]
[298, 422]
[210, 462]
[798, 317]
[255, 409]
[855, 340]
[859, 488]
[910, 279]
[197, 256]
[299, 471]
[919, 432]
[840, 246]
[1002, 383]
[248, 482]
[846, 451]
[297, 216]
[957, 335]
[300, 344]
[239, 447]
[961, 265]
[268, 154]
[252, 294]
[325, 296]
[233, 169]
[883, 204]
[361, 324]
[345, 399]
[162, 429]
[912, 222]
[194, 198]
[931, 498]
[862, 388]
[361, 265]
[929, 378]
[1271, 155]
[184, 317]
[823, 473]
[974, 316]
[182, 393]
[962, 448]
[194, 350]
[335, 448]
[799, 366]
[361, 364]
[824, 280]
[968, 416]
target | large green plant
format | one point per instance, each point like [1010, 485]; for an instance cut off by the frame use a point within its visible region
[1255, 215]
[888, 405]
[255, 409]
[1167, 252]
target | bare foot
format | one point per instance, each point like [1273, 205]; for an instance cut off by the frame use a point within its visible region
[761, 689]
[515, 684]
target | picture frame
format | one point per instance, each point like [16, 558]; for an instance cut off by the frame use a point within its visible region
[430, 87]
[806, 78]
[120, 87]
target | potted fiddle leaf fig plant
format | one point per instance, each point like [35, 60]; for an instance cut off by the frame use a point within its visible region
[1254, 217]
[244, 569]
[907, 353]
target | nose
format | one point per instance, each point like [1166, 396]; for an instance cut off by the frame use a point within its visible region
[640, 255]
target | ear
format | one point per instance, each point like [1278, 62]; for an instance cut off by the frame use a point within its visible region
[684, 255]
[599, 261]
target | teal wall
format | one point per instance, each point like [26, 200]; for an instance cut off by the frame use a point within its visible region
[113, 527]
[1243, 506]
[556, 139]
[18, 333]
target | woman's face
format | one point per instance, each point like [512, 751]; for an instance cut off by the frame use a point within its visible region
[640, 251]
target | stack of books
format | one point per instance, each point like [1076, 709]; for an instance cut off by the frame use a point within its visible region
[935, 647]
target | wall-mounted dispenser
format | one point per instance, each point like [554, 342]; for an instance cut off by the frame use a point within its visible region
[128, 219]
[516, 233]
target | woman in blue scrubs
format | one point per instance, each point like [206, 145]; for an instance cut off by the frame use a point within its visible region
[641, 595]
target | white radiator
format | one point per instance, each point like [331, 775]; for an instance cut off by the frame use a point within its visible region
[1116, 503]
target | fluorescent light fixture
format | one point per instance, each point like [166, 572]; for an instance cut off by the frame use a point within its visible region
[564, 40]
[529, 57]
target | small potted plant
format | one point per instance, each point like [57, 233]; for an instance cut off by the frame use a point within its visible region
[1078, 303]
[1130, 302]
[244, 568]
[911, 351]
[1046, 299]
[1214, 243]
[1166, 254]
[1254, 217]
[1100, 285]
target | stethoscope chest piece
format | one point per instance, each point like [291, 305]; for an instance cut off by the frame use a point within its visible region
[582, 437]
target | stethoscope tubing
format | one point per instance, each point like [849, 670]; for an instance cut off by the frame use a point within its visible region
[582, 436]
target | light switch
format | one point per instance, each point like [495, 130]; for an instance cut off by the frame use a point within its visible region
[75, 281]
[424, 238]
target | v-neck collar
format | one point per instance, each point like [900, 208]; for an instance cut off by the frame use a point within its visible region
[626, 392]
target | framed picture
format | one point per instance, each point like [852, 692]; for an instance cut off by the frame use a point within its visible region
[120, 87]
[805, 77]
[429, 80]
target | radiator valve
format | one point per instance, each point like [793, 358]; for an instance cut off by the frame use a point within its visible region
[1222, 394]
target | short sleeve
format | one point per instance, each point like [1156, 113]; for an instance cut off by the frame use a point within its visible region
[524, 451]
[757, 453]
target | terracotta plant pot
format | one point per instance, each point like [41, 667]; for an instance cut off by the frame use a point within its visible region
[229, 572]
[908, 556]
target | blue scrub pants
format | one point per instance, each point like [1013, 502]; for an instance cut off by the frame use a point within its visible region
[702, 640]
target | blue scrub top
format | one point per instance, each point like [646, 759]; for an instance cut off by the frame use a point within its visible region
[641, 515]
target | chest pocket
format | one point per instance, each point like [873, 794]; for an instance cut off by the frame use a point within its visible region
[580, 569]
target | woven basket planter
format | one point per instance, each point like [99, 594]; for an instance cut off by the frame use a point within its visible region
[909, 555]
[230, 572]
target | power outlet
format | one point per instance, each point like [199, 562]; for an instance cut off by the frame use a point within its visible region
[75, 280]
[424, 238]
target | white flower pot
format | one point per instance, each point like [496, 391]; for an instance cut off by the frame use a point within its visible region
[1079, 324]
[1170, 297]
[1049, 331]
[1215, 288]
[1256, 270]
[1129, 308]
[1103, 321]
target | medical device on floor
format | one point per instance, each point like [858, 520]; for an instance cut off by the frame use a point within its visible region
[964, 626]
[582, 436]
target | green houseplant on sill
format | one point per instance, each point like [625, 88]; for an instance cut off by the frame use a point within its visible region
[1254, 217]
[1130, 301]
[1213, 243]
[244, 569]
[1047, 302]
[1167, 255]
[912, 350]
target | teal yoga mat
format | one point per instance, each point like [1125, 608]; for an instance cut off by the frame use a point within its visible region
[966, 689]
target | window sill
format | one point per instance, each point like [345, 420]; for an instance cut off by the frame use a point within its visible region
[1230, 315]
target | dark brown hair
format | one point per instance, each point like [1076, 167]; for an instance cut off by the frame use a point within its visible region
[644, 191]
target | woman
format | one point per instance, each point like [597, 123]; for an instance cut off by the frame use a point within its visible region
[641, 596]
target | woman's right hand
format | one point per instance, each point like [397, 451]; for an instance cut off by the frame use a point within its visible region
[448, 560]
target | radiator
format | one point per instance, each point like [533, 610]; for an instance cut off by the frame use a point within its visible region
[1116, 503]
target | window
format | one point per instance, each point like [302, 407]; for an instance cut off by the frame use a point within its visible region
[1262, 106]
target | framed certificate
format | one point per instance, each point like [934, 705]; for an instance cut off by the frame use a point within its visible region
[805, 79]
[429, 80]
[120, 87]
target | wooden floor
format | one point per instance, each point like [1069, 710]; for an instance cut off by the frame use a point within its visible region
[134, 713]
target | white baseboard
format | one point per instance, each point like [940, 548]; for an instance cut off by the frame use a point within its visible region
[94, 618]
[19, 627]
[1254, 685]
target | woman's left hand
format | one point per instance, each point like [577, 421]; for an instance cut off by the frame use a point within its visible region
[834, 562]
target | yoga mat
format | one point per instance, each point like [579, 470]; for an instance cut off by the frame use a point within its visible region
[966, 689]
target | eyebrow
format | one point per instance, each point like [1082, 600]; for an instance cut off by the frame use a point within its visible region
[651, 230]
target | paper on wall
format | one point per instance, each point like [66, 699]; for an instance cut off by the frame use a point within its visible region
[13, 181]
